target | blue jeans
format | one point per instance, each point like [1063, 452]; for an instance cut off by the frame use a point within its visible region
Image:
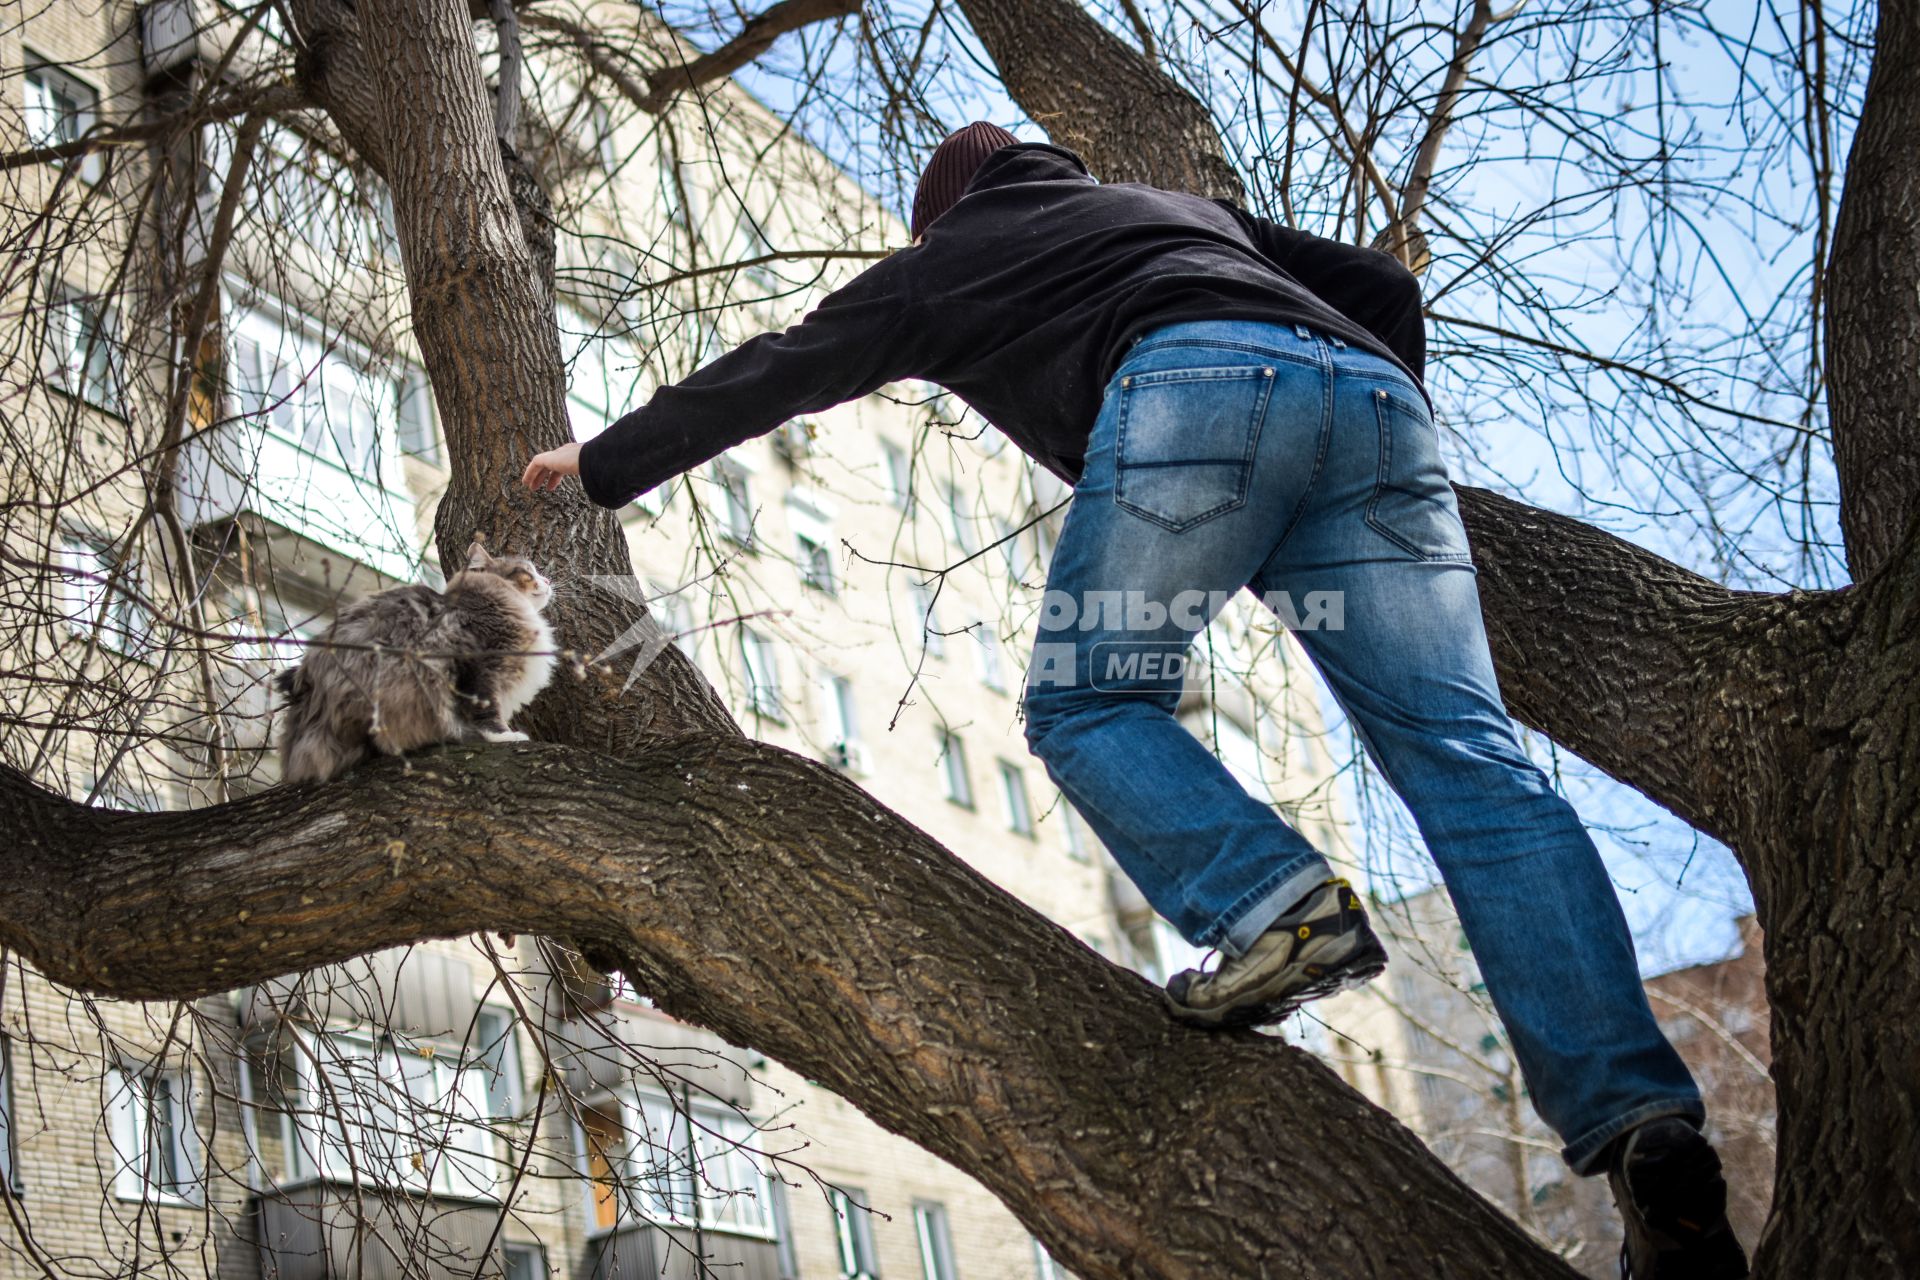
[1238, 454]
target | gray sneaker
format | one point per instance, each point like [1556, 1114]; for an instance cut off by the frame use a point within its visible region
[1321, 947]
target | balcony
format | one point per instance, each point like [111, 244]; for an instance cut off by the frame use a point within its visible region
[647, 1250]
[308, 442]
[330, 1231]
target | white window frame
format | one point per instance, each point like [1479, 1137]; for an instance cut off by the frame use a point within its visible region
[896, 469]
[1073, 831]
[9, 1146]
[931, 1231]
[760, 667]
[131, 1104]
[993, 672]
[840, 724]
[810, 519]
[606, 380]
[462, 1159]
[116, 616]
[80, 349]
[297, 379]
[736, 500]
[681, 1155]
[1044, 1267]
[954, 770]
[854, 1246]
[1014, 797]
[959, 521]
[49, 126]
[926, 613]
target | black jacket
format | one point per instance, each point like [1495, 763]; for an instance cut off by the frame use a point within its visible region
[1021, 299]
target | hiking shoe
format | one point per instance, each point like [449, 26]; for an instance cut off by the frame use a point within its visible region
[1666, 1180]
[1323, 946]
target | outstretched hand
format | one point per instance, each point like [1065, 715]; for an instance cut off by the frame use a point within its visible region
[548, 469]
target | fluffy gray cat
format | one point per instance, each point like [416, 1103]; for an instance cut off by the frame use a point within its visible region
[411, 666]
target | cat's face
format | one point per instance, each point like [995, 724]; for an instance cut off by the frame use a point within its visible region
[518, 571]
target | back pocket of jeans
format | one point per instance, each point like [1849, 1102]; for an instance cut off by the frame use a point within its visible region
[1184, 448]
[1413, 505]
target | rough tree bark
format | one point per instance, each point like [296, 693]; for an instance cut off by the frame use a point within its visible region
[852, 947]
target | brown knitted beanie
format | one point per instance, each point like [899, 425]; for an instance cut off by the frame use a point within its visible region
[955, 161]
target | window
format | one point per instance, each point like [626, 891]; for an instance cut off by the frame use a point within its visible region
[953, 763]
[897, 465]
[605, 381]
[60, 109]
[762, 674]
[1013, 790]
[936, 1248]
[1044, 1267]
[671, 609]
[390, 1114]
[9, 1177]
[100, 597]
[754, 245]
[317, 394]
[839, 725]
[987, 650]
[1073, 831]
[80, 350]
[816, 565]
[155, 1142]
[676, 1163]
[495, 1051]
[813, 541]
[736, 503]
[419, 436]
[853, 1231]
[524, 1262]
[931, 636]
[959, 521]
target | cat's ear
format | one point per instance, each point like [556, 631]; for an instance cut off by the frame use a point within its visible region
[478, 557]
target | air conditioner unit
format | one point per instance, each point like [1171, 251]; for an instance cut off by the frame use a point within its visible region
[850, 757]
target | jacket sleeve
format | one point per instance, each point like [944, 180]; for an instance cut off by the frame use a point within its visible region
[1372, 288]
[856, 341]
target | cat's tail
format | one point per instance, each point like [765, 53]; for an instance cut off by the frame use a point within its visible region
[311, 750]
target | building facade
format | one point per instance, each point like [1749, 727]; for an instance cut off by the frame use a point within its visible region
[861, 585]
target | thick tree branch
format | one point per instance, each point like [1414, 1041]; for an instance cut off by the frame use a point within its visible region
[1112, 104]
[1671, 683]
[757, 893]
[1873, 307]
[662, 86]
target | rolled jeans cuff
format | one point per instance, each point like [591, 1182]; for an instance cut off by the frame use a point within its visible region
[1583, 1152]
[1268, 902]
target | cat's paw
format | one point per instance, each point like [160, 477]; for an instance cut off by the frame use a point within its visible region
[505, 735]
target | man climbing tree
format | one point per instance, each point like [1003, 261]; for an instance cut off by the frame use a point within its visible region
[1239, 405]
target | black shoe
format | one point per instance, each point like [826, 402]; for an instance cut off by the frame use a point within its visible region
[1323, 946]
[1666, 1180]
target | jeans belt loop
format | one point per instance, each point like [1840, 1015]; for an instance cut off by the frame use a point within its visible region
[1337, 344]
[1304, 332]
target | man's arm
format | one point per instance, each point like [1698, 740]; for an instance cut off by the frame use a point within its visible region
[856, 341]
[1373, 289]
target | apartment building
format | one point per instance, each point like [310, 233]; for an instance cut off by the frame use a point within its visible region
[861, 585]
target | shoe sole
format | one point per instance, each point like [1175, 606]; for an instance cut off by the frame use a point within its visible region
[1266, 1005]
